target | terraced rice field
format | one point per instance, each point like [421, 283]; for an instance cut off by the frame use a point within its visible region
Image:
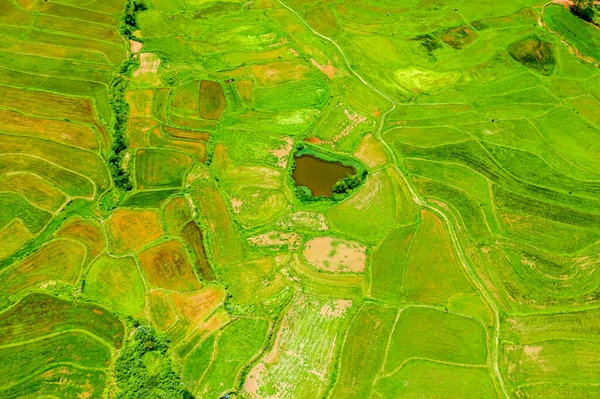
[160, 237]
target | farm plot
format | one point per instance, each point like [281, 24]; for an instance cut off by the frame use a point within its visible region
[463, 265]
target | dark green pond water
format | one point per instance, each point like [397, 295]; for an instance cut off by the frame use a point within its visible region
[319, 175]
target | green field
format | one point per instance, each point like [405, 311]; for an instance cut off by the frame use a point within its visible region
[155, 243]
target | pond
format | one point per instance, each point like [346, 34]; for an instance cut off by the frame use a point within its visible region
[319, 175]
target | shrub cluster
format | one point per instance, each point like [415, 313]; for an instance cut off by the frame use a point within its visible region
[144, 369]
[119, 105]
[120, 110]
[130, 25]
[346, 184]
[585, 9]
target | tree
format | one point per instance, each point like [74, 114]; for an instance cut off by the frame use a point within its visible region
[584, 9]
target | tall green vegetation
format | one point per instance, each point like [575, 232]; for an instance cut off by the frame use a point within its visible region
[145, 369]
[119, 106]
[584, 9]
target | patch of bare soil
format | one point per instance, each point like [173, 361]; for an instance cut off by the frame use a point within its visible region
[282, 153]
[335, 255]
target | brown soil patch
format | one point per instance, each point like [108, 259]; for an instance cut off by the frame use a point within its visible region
[236, 204]
[148, 64]
[276, 239]
[335, 255]
[87, 232]
[313, 140]
[327, 69]
[337, 308]
[135, 46]
[166, 266]
[244, 88]
[129, 230]
[212, 100]
[282, 153]
[148, 67]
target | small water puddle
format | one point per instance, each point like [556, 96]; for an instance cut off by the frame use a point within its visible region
[319, 175]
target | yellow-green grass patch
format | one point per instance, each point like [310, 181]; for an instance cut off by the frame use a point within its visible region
[87, 15]
[161, 310]
[369, 213]
[59, 381]
[160, 168]
[184, 134]
[22, 361]
[140, 102]
[15, 206]
[195, 149]
[424, 333]
[13, 237]
[116, 282]
[86, 231]
[38, 191]
[74, 27]
[347, 285]
[185, 99]
[371, 152]
[422, 379]
[212, 100]
[426, 136]
[433, 273]
[38, 315]
[387, 264]
[252, 281]
[85, 162]
[224, 242]
[67, 181]
[59, 260]
[131, 229]
[63, 132]
[176, 214]
[363, 351]
[551, 361]
[572, 324]
[237, 345]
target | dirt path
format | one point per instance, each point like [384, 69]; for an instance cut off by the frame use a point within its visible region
[471, 274]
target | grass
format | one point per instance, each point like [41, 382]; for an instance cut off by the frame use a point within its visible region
[455, 339]
[363, 351]
[116, 282]
[146, 150]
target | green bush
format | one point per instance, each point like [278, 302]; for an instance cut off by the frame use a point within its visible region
[144, 369]
[347, 184]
